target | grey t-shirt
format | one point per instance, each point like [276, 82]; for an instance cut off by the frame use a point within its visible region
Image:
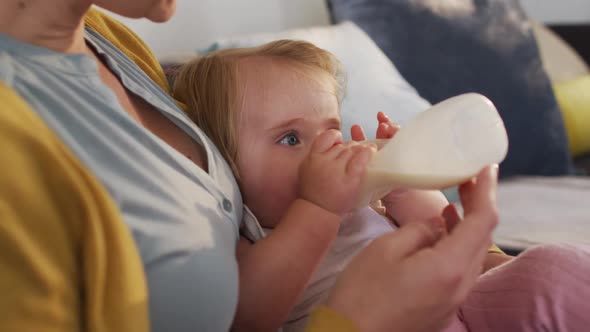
[184, 221]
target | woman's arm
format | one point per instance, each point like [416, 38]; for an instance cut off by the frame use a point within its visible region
[67, 260]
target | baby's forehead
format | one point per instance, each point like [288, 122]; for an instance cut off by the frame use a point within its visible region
[264, 66]
[269, 70]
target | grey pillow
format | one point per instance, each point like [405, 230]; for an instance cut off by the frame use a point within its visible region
[445, 48]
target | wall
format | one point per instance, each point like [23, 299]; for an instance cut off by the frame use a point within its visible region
[199, 22]
[558, 11]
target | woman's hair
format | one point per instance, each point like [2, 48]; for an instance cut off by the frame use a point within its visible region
[209, 87]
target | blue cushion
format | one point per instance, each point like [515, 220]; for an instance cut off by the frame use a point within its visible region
[445, 48]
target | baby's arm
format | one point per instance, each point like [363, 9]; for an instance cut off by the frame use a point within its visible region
[275, 270]
[405, 206]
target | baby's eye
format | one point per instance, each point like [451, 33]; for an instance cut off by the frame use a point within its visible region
[290, 139]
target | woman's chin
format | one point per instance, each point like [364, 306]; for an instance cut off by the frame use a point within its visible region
[154, 10]
[163, 12]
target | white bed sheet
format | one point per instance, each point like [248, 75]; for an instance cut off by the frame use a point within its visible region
[541, 210]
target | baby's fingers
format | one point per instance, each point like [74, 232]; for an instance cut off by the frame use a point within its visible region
[386, 130]
[357, 164]
[357, 133]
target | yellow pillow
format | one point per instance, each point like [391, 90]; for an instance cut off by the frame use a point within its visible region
[573, 97]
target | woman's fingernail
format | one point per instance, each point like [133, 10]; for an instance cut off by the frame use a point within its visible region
[495, 169]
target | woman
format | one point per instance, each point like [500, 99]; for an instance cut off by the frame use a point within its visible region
[98, 182]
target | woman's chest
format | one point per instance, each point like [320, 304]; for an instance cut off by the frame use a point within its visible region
[154, 121]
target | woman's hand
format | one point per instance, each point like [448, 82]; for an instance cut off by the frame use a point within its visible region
[414, 279]
[493, 259]
[332, 173]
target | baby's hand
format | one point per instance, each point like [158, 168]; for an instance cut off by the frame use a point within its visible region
[331, 174]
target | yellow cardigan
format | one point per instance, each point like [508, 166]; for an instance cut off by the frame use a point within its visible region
[67, 260]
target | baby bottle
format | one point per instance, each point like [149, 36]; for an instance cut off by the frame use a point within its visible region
[439, 148]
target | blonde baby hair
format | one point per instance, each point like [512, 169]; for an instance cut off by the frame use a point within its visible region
[208, 86]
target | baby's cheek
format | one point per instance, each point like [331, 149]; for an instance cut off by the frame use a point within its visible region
[271, 202]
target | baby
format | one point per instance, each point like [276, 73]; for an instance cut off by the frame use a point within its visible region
[273, 112]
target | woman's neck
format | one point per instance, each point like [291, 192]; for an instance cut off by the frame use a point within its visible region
[54, 24]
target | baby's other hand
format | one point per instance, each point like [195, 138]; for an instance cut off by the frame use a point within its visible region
[332, 173]
[385, 129]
